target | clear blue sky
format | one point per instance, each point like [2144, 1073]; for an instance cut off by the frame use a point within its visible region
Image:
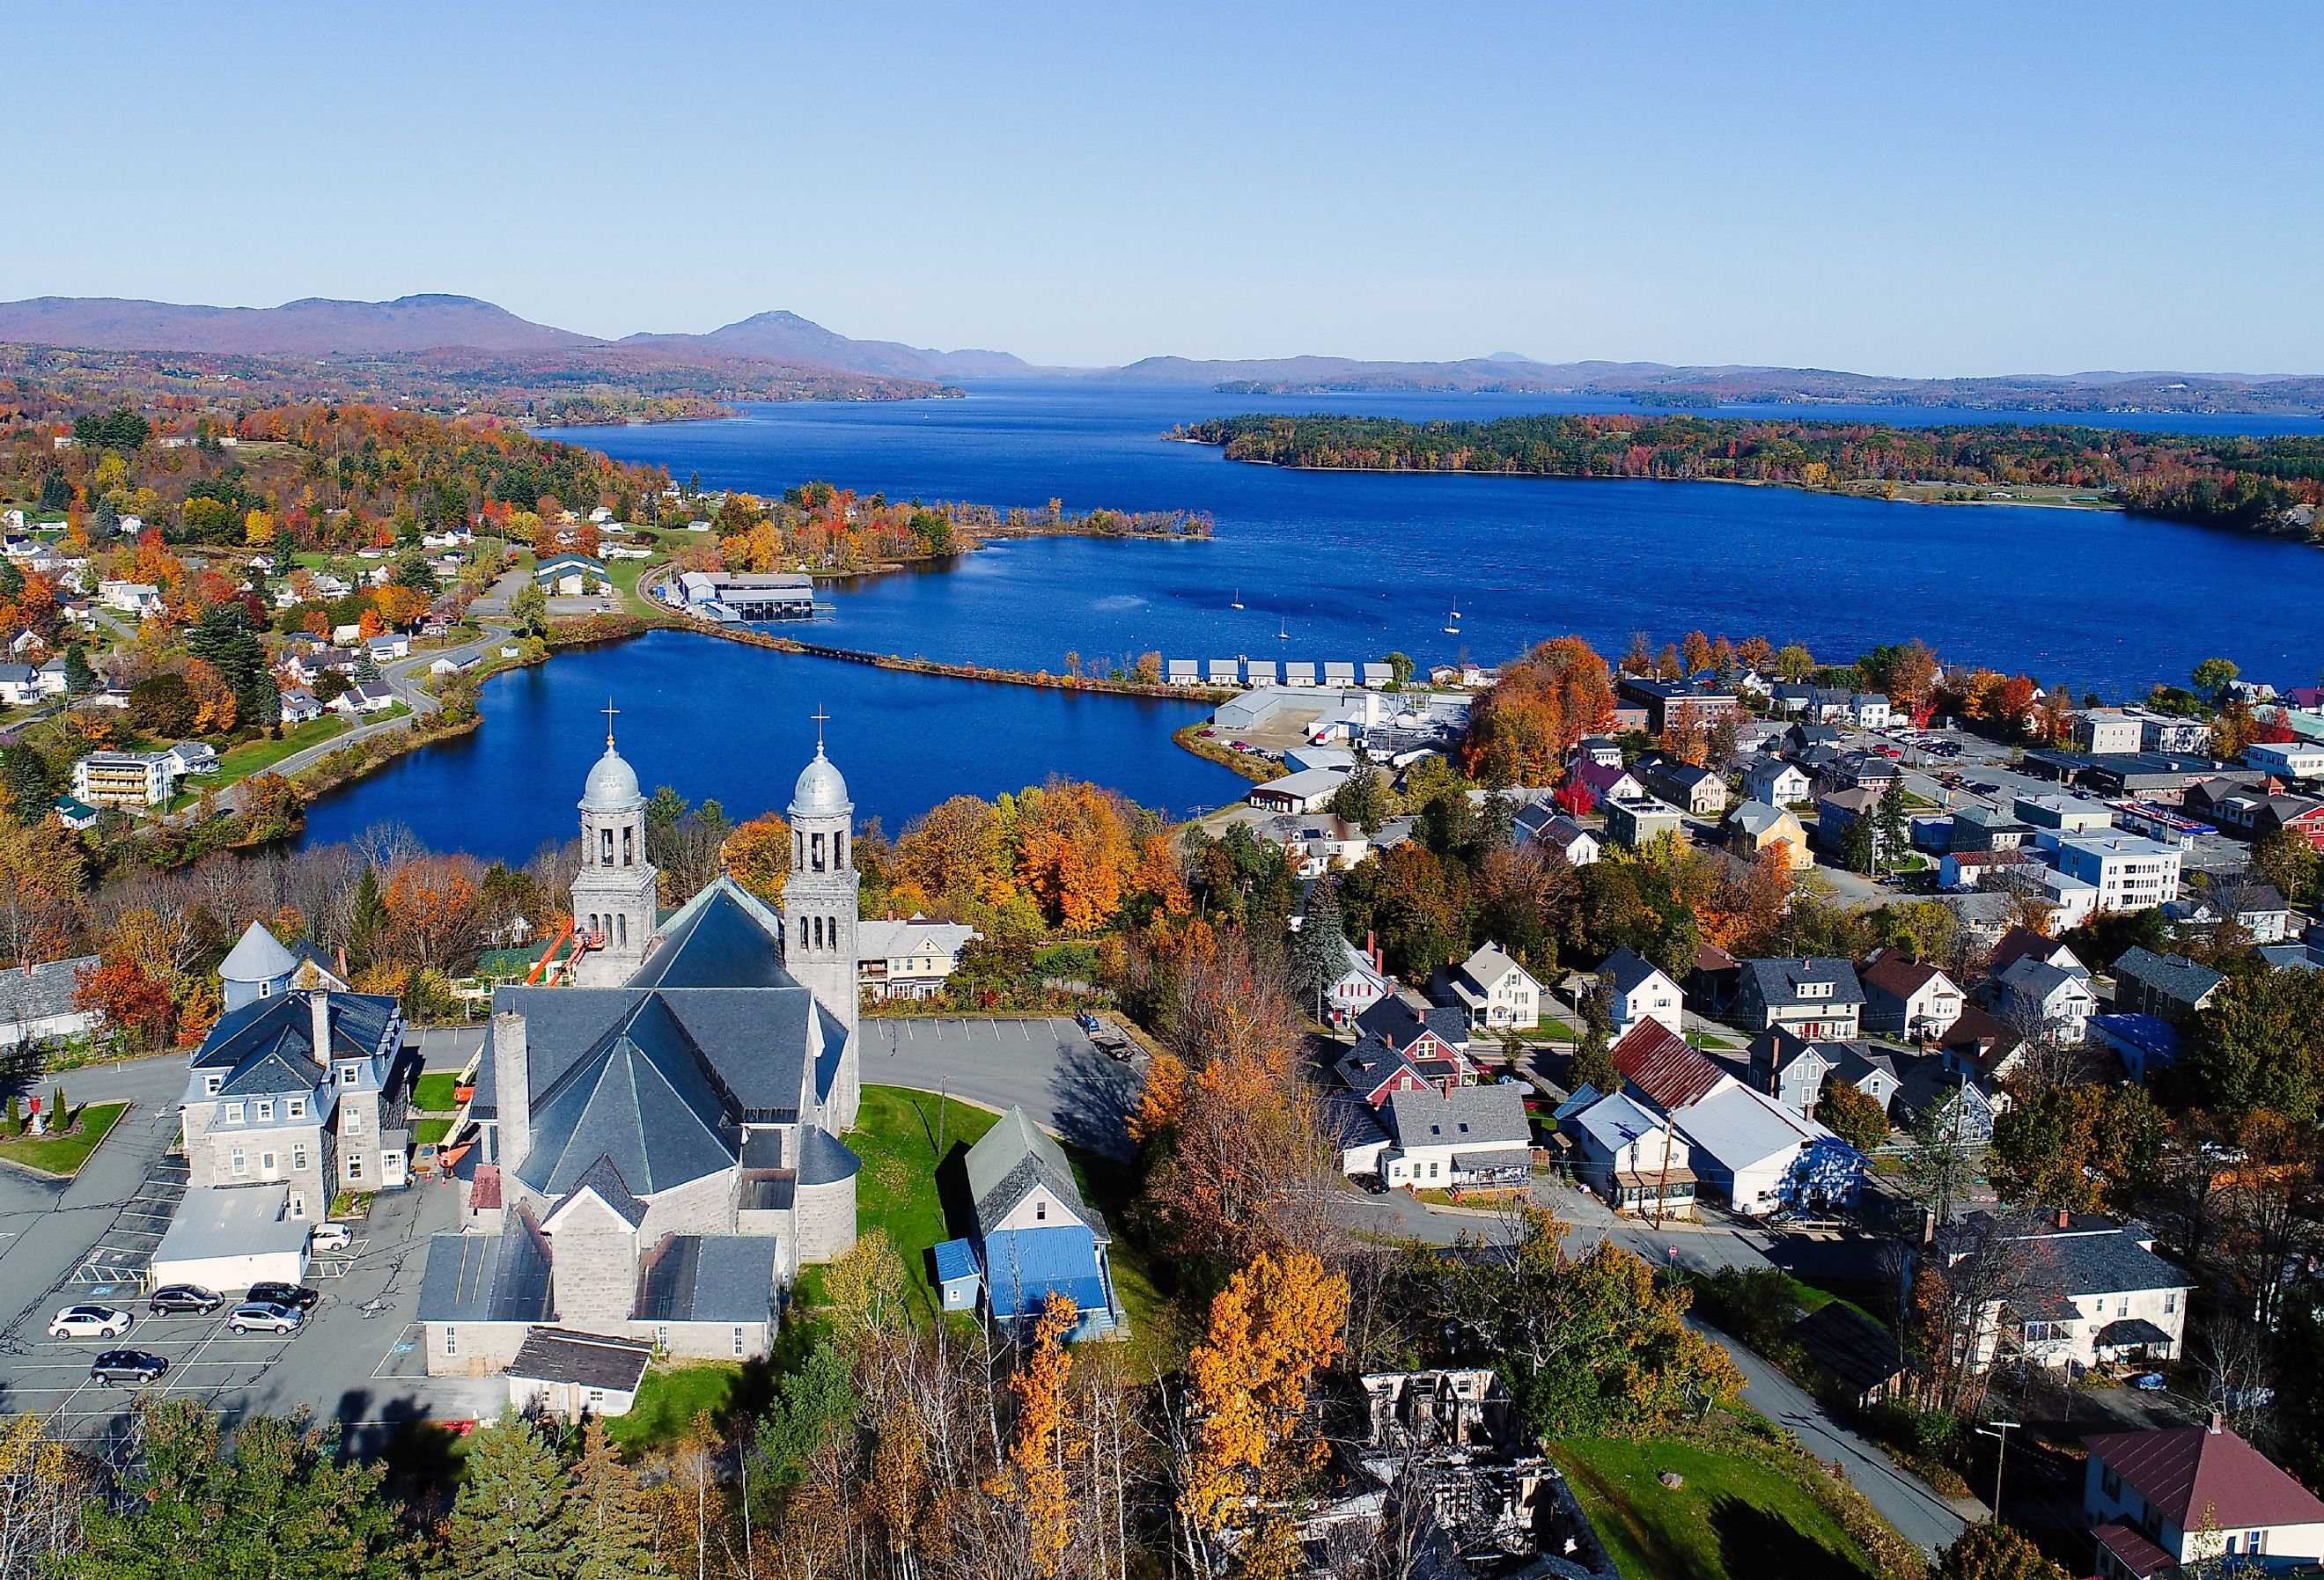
[1952, 189]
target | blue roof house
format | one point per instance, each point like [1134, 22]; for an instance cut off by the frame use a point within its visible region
[1034, 1232]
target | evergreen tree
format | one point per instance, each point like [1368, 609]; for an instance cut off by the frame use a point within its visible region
[56, 494]
[511, 1520]
[1362, 800]
[1858, 849]
[30, 783]
[1319, 951]
[80, 680]
[611, 1532]
[1892, 824]
[369, 921]
[108, 520]
[1593, 1056]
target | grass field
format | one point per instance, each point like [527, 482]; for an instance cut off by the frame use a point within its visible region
[64, 1155]
[430, 1131]
[668, 1400]
[1734, 1518]
[255, 757]
[433, 1091]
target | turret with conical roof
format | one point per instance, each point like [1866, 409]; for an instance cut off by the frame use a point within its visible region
[257, 967]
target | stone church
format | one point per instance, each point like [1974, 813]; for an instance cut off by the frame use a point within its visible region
[659, 1150]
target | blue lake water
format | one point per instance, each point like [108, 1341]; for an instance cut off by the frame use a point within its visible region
[1348, 565]
[719, 720]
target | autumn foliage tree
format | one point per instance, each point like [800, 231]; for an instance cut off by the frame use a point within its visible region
[1524, 726]
[1044, 1438]
[758, 856]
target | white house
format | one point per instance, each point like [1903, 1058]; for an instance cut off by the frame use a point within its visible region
[1777, 782]
[1868, 710]
[908, 959]
[2289, 759]
[569, 576]
[1641, 991]
[1909, 998]
[1496, 991]
[1360, 986]
[1545, 825]
[2078, 1288]
[125, 779]
[1630, 1155]
[37, 1004]
[364, 697]
[1746, 1147]
[1470, 1135]
[2033, 995]
[130, 597]
[2163, 1502]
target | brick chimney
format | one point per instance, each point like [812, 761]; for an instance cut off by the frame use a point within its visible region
[2065, 1219]
[318, 1026]
[511, 1090]
[2217, 1424]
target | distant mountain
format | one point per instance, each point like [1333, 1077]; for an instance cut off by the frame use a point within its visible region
[786, 336]
[312, 326]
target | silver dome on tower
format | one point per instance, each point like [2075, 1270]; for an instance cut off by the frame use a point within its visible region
[821, 791]
[612, 783]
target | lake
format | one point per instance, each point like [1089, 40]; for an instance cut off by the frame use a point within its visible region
[719, 720]
[1352, 564]
[1348, 565]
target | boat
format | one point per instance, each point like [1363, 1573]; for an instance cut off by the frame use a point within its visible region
[1283, 630]
[1452, 622]
[1238, 599]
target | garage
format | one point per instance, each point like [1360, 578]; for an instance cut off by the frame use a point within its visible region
[229, 1237]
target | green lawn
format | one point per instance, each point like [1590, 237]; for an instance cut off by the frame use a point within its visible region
[433, 1091]
[430, 1131]
[1735, 1517]
[668, 1400]
[256, 756]
[64, 1155]
[902, 1190]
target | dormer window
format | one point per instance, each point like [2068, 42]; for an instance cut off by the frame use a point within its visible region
[234, 1114]
[266, 1111]
[210, 1085]
[295, 1108]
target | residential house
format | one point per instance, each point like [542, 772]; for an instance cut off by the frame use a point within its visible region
[1634, 821]
[294, 1085]
[2254, 817]
[125, 779]
[1360, 986]
[1639, 989]
[1908, 998]
[39, 1002]
[910, 959]
[1754, 826]
[1927, 1086]
[1838, 814]
[2144, 1043]
[1630, 1155]
[1859, 771]
[1603, 750]
[1982, 1046]
[1698, 790]
[2289, 759]
[1680, 703]
[2185, 1500]
[2129, 873]
[195, 757]
[570, 576]
[2255, 910]
[364, 696]
[23, 685]
[1714, 979]
[2046, 1001]
[2163, 732]
[1986, 828]
[2105, 731]
[75, 815]
[1775, 781]
[2021, 942]
[1373, 1072]
[1035, 1235]
[2074, 1289]
[1868, 710]
[1809, 735]
[1552, 829]
[1604, 781]
[1747, 1148]
[382, 650]
[130, 597]
[1811, 998]
[1476, 1136]
[2170, 987]
[1434, 1037]
[1794, 1071]
[300, 707]
[1497, 991]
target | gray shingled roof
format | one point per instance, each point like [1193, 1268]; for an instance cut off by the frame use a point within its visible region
[42, 990]
[487, 1278]
[643, 1102]
[721, 938]
[1483, 1118]
[708, 1278]
[1778, 982]
[1626, 968]
[603, 1177]
[1014, 1156]
[825, 1159]
[583, 1360]
[257, 957]
[2173, 976]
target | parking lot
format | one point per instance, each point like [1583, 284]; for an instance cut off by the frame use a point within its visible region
[1045, 1064]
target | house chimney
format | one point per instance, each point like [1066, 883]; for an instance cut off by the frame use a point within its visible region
[511, 1090]
[319, 1027]
[2217, 1424]
[2065, 1219]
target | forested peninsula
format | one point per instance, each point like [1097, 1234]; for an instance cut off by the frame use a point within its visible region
[2256, 485]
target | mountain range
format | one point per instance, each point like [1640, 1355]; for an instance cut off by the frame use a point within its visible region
[772, 354]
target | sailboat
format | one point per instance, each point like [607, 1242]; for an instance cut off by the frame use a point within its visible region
[1283, 630]
[1452, 622]
[1238, 599]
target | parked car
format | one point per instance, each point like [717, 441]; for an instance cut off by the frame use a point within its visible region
[1086, 1021]
[330, 1237]
[89, 1321]
[183, 1300]
[298, 1297]
[126, 1366]
[265, 1317]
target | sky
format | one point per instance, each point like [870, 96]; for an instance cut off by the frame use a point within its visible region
[1948, 189]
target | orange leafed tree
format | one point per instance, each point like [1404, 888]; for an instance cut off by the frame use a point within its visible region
[1045, 1437]
[1077, 854]
[432, 909]
[759, 856]
[1277, 1322]
[1525, 724]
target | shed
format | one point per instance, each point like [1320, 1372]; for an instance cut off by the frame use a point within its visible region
[1184, 672]
[959, 1280]
[572, 1374]
[1260, 670]
[1338, 674]
[1377, 675]
[227, 1237]
[1299, 674]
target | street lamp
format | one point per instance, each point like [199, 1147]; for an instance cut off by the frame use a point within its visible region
[1999, 1432]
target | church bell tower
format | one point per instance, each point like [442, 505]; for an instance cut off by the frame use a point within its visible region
[614, 894]
[820, 899]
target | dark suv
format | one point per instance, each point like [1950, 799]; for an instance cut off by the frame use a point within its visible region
[183, 1300]
[126, 1366]
[298, 1297]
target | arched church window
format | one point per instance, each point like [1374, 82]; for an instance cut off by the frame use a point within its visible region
[621, 927]
[816, 847]
[628, 849]
[606, 847]
[802, 932]
[839, 841]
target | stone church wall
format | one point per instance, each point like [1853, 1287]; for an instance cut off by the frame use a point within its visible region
[700, 1206]
[826, 1219]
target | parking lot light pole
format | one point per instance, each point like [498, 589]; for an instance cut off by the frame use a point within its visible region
[1999, 1432]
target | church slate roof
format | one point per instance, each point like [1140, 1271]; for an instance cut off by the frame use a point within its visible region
[721, 938]
[257, 957]
[603, 1177]
[708, 1278]
[487, 1278]
[824, 1158]
[643, 1102]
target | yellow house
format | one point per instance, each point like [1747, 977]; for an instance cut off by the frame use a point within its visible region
[1754, 826]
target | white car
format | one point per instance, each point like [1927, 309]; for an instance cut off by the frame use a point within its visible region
[89, 1321]
[331, 1237]
[265, 1317]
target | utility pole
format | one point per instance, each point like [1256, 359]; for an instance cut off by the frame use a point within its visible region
[1999, 1432]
